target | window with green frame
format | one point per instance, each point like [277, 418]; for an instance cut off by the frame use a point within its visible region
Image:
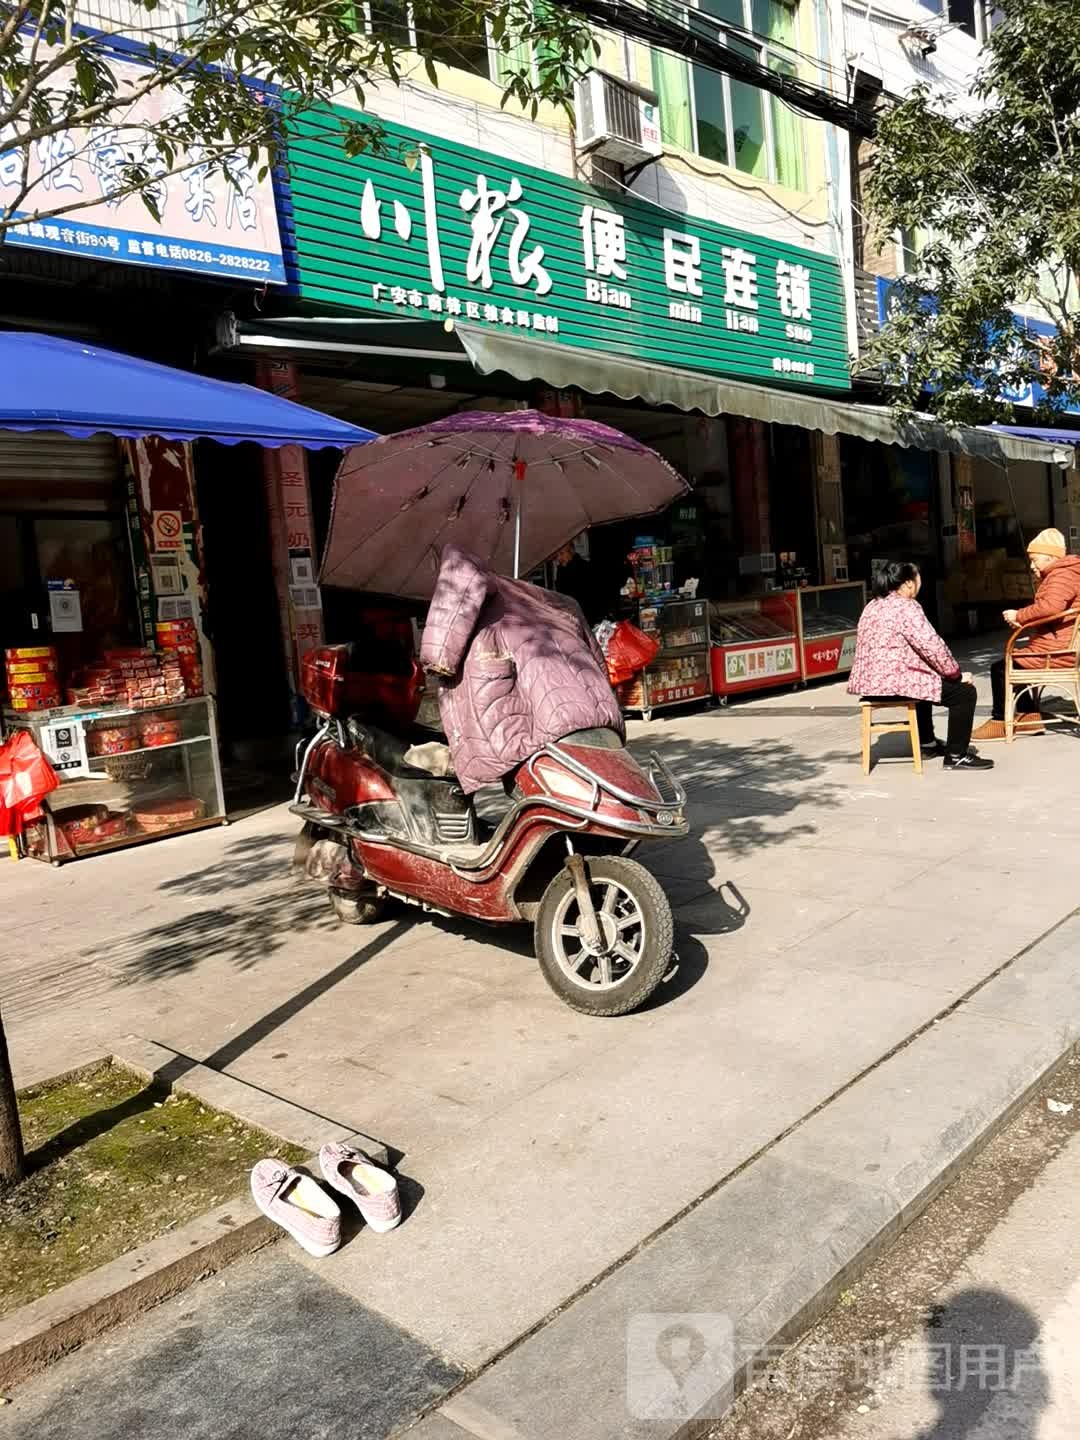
[465, 45]
[406, 24]
[720, 117]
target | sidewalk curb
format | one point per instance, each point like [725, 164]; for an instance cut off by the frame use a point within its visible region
[36, 1334]
[770, 1249]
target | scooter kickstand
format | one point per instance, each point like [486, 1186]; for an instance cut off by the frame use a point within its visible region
[590, 926]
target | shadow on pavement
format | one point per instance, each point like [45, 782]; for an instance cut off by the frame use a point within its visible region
[247, 861]
[982, 1356]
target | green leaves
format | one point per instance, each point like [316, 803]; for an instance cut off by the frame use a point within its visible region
[998, 187]
[66, 81]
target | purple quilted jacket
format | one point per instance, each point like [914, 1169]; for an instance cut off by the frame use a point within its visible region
[519, 669]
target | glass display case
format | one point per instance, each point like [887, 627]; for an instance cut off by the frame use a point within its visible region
[126, 775]
[754, 644]
[680, 672]
[828, 616]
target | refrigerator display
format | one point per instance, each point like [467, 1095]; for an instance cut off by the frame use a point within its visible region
[754, 644]
[828, 619]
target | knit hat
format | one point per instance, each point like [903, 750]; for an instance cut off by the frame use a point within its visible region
[1048, 542]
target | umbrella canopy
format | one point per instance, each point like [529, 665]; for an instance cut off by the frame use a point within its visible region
[467, 479]
[82, 390]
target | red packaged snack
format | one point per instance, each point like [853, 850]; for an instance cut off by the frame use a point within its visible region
[112, 739]
[31, 669]
[164, 814]
[155, 731]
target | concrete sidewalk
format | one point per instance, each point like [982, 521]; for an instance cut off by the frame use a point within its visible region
[830, 928]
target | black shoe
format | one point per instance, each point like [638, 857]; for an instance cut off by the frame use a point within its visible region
[970, 761]
[933, 749]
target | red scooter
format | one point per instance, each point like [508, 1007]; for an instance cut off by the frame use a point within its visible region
[385, 817]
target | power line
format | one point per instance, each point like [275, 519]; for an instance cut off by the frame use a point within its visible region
[709, 51]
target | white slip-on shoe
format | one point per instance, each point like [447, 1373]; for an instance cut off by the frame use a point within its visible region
[299, 1205]
[373, 1190]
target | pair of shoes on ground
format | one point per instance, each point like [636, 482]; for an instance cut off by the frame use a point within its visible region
[995, 729]
[972, 760]
[300, 1205]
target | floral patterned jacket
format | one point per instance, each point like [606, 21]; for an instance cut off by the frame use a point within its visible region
[898, 652]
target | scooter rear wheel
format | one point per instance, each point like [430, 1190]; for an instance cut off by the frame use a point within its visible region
[637, 932]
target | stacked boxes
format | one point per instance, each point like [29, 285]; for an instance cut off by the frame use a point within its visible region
[146, 678]
[179, 639]
[32, 680]
[133, 679]
[990, 577]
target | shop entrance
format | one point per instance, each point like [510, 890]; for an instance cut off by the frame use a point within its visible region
[62, 519]
[892, 511]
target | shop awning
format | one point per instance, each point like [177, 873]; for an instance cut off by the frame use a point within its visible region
[562, 366]
[53, 384]
[1045, 434]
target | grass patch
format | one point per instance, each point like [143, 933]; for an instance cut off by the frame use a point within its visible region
[114, 1163]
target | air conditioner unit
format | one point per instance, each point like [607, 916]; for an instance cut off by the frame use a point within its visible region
[617, 120]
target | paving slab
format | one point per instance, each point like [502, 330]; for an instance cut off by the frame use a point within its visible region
[951, 954]
[661, 1340]
[272, 1352]
[1042, 987]
[566, 1180]
[541, 1149]
[758, 1249]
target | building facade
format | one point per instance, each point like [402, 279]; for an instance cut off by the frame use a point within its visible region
[681, 219]
[964, 519]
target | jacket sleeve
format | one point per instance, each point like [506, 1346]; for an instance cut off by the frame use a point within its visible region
[460, 592]
[922, 636]
[1051, 598]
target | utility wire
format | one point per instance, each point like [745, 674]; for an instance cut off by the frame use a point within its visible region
[708, 50]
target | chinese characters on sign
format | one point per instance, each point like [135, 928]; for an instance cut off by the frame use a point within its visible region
[603, 239]
[445, 232]
[211, 222]
[485, 205]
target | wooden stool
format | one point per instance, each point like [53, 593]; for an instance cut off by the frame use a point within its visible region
[872, 727]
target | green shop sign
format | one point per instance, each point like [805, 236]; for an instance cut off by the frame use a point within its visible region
[429, 228]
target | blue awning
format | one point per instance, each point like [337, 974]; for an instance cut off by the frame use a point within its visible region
[51, 384]
[1051, 434]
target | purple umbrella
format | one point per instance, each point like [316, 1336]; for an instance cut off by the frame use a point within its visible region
[512, 488]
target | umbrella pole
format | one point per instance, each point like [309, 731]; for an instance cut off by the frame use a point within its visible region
[517, 540]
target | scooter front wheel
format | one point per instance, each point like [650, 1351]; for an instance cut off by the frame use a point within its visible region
[636, 932]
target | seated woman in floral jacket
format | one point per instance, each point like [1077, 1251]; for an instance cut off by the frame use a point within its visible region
[900, 656]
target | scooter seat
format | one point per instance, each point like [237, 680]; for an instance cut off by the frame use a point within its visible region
[404, 759]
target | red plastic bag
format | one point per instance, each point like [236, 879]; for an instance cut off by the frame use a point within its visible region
[26, 777]
[629, 651]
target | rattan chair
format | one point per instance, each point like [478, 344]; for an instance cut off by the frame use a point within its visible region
[1020, 679]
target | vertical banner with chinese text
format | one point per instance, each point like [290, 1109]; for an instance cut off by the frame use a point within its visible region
[167, 548]
[292, 543]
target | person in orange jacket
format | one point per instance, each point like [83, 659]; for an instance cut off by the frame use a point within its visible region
[1057, 577]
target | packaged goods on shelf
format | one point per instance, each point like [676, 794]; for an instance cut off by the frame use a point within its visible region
[112, 739]
[166, 814]
[88, 825]
[31, 677]
[154, 730]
